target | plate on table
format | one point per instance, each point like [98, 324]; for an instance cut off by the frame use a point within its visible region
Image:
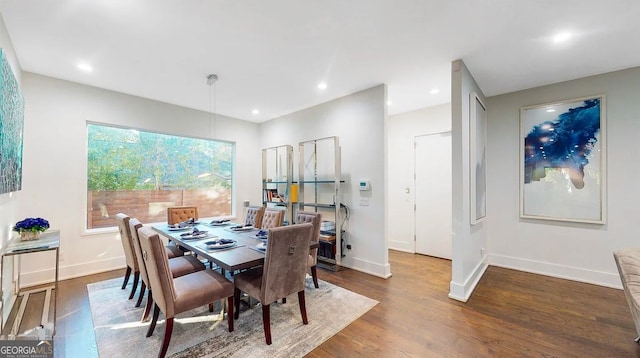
[219, 244]
[178, 228]
[262, 246]
[194, 235]
[239, 228]
[261, 235]
[222, 222]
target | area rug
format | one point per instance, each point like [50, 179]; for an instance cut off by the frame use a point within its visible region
[198, 333]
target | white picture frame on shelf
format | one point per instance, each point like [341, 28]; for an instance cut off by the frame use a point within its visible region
[563, 161]
[477, 158]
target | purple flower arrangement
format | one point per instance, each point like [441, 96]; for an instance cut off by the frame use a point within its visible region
[31, 224]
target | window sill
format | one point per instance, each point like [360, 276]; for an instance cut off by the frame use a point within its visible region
[100, 231]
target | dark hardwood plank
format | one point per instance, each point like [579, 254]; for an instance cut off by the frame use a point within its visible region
[511, 314]
[74, 330]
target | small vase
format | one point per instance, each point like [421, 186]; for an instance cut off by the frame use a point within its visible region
[29, 235]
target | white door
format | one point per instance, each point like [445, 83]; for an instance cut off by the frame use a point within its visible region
[433, 227]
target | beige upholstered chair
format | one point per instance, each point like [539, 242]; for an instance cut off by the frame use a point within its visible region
[272, 218]
[173, 296]
[314, 219]
[129, 253]
[254, 216]
[628, 263]
[282, 274]
[178, 214]
[179, 266]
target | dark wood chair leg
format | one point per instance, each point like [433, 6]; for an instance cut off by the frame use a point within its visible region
[147, 307]
[154, 320]
[126, 277]
[236, 300]
[303, 307]
[230, 312]
[167, 337]
[210, 307]
[266, 323]
[314, 275]
[143, 287]
[136, 278]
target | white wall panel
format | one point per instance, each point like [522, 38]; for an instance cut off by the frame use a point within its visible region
[575, 251]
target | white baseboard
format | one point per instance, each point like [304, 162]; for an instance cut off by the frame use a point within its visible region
[66, 272]
[402, 246]
[600, 278]
[462, 291]
[367, 267]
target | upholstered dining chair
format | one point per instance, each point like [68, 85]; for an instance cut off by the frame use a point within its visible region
[282, 274]
[178, 214]
[179, 266]
[628, 264]
[254, 216]
[176, 295]
[314, 219]
[272, 218]
[129, 253]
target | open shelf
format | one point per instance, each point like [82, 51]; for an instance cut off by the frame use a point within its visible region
[277, 179]
[319, 181]
[317, 205]
[319, 188]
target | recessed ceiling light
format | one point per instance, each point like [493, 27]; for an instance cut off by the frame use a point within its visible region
[550, 110]
[389, 103]
[255, 111]
[322, 85]
[561, 37]
[85, 67]
[435, 91]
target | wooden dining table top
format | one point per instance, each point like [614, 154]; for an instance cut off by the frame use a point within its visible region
[241, 256]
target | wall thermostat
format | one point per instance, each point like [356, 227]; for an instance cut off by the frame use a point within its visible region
[364, 185]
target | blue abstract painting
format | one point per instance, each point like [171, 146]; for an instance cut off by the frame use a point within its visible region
[11, 129]
[562, 170]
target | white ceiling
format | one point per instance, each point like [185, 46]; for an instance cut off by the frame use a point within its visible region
[270, 55]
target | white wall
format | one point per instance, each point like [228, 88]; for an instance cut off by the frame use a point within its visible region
[401, 131]
[54, 185]
[575, 251]
[469, 260]
[359, 121]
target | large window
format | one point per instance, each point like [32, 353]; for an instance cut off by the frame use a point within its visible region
[142, 173]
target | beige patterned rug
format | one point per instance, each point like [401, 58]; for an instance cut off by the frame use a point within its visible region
[198, 333]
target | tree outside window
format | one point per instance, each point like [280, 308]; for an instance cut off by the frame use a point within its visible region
[142, 173]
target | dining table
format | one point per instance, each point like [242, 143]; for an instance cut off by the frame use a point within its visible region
[247, 251]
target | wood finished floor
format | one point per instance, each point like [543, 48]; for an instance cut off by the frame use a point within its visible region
[510, 314]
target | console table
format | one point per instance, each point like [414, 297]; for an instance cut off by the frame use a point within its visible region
[48, 241]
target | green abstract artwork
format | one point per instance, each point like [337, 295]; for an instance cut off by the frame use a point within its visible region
[11, 129]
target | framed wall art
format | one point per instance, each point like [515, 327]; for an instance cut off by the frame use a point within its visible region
[563, 161]
[11, 128]
[478, 158]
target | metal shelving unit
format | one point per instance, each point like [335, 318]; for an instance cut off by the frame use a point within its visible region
[277, 177]
[319, 188]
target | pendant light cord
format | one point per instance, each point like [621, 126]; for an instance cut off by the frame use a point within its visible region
[212, 80]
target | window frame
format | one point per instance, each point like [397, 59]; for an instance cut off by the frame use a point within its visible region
[111, 229]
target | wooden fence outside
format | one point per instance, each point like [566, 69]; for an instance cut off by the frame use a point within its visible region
[151, 205]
